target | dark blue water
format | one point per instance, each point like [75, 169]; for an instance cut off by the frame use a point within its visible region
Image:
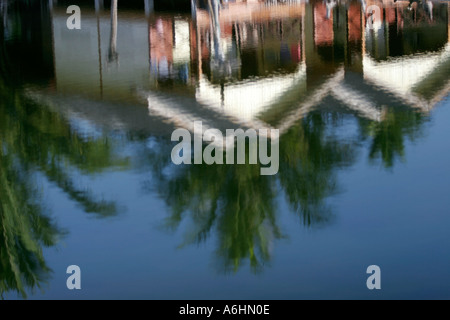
[87, 178]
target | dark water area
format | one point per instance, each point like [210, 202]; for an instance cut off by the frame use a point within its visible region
[362, 107]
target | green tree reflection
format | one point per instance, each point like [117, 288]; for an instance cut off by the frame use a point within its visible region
[233, 200]
[388, 136]
[24, 229]
[34, 139]
[308, 161]
[239, 206]
[44, 140]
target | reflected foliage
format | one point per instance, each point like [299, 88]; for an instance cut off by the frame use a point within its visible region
[238, 205]
[309, 159]
[24, 226]
[387, 137]
[24, 229]
[34, 139]
[232, 200]
[44, 140]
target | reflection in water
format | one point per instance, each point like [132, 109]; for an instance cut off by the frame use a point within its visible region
[25, 227]
[113, 56]
[239, 205]
[303, 68]
[233, 201]
[308, 165]
[388, 136]
[33, 139]
[44, 140]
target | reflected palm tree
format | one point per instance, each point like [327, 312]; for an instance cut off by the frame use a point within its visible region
[232, 200]
[308, 161]
[239, 205]
[34, 139]
[45, 141]
[24, 226]
[25, 229]
[388, 136]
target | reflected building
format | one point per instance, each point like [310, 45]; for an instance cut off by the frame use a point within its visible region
[410, 48]
[257, 64]
[316, 50]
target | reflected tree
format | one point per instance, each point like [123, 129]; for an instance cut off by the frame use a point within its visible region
[25, 229]
[388, 136]
[232, 200]
[34, 139]
[45, 141]
[238, 205]
[308, 161]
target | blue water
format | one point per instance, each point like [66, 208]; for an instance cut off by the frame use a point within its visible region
[397, 219]
[352, 191]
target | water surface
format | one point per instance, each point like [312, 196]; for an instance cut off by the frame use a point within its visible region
[86, 118]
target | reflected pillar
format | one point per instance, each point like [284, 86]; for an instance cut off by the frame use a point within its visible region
[149, 7]
[112, 54]
[99, 5]
[4, 12]
[319, 56]
[215, 22]
[194, 9]
[355, 36]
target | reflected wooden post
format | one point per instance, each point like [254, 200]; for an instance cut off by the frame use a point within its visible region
[149, 26]
[112, 54]
[199, 51]
[194, 9]
[363, 31]
[355, 39]
[149, 7]
[303, 35]
[99, 5]
[4, 11]
[310, 54]
[215, 22]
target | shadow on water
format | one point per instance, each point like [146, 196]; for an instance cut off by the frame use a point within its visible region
[331, 68]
